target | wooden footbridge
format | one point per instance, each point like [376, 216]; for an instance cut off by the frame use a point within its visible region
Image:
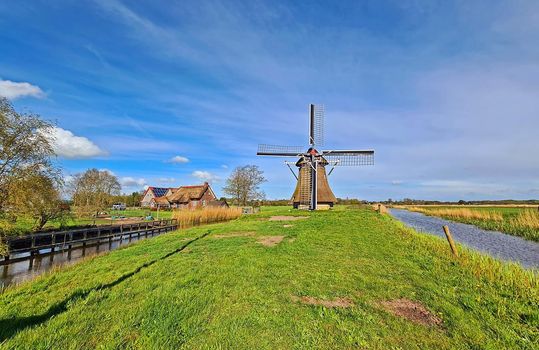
[31, 246]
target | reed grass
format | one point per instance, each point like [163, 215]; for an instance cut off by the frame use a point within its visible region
[189, 218]
[524, 222]
[464, 213]
[523, 282]
[527, 218]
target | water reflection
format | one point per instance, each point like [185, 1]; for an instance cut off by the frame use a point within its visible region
[24, 270]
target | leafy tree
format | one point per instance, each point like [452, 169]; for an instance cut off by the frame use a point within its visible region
[38, 196]
[130, 200]
[92, 191]
[243, 184]
[25, 147]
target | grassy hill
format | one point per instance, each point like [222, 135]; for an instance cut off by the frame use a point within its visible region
[345, 278]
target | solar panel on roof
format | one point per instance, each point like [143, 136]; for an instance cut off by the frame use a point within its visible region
[159, 191]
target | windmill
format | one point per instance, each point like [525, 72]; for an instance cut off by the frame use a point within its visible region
[312, 189]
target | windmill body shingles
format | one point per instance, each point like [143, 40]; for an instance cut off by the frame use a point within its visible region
[324, 193]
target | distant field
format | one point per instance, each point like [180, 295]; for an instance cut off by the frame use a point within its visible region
[24, 225]
[340, 279]
[515, 220]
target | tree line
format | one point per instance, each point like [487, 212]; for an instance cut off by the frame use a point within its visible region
[32, 186]
[31, 182]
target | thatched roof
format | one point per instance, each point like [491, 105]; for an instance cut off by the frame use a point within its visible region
[218, 204]
[184, 194]
[161, 200]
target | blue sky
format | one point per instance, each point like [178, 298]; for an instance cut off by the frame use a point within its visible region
[167, 93]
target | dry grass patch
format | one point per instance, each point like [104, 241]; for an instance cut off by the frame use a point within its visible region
[412, 311]
[287, 218]
[234, 234]
[270, 241]
[337, 302]
[188, 218]
[527, 218]
[460, 213]
[288, 226]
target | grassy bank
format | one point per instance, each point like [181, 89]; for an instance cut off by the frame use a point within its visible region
[330, 281]
[518, 221]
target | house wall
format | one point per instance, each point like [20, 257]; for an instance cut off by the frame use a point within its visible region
[147, 199]
[207, 197]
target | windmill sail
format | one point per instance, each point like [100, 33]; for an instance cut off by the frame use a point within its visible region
[316, 125]
[279, 151]
[312, 189]
[350, 157]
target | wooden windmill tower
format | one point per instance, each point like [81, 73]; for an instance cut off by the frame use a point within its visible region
[312, 189]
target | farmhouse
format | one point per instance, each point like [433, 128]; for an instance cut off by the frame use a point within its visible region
[151, 193]
[180, 197]
[192, 196]
[160, 202]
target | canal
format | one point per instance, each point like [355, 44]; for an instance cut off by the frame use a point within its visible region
[21, 271]
[496, 244]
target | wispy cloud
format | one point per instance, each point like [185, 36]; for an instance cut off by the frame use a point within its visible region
[166, 180]
[129, 181]
[178, 160]
[206, 176]
[447, 92]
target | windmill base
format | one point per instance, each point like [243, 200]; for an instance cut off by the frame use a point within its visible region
[319, 206]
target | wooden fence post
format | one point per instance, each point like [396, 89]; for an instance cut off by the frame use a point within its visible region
[450, 240]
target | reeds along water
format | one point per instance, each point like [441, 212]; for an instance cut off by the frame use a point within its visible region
[527, 218]
[188, 218]
[462, 213]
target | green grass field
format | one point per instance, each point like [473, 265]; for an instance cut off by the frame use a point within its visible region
[508, 221]
[216, 287]
[24, 225]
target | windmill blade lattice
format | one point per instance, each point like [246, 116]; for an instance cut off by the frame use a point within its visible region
[316, 125]
[349, 158]
[279, 151]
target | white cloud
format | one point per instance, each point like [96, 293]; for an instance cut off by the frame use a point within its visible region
[166, 180]
[178, 159]
[224, 166]
[67, 145]
[206, 176]
[129, 181]
[13, 90]
[396, 182]
[110, 172]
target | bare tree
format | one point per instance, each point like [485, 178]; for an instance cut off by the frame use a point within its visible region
[243, 184]
[25, 147]
[93, 190]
